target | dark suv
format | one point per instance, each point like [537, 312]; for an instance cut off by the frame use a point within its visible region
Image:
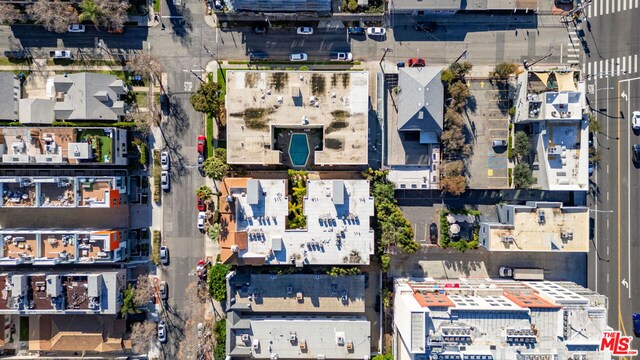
[636, 154]
[258, 55]
[356, 30]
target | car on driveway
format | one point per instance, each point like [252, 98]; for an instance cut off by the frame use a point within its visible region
[298, 57]
[162, 332]
[635, 120]
[163, 290]
[376, 31]
[201, 206]
[165, 161]
[201, 143]
[165, 181]
[415, 62]
[427, 26]
[75, 28]
[201, 219]
[164, 255]
[305, 30]
[356, 30]
[433, 233]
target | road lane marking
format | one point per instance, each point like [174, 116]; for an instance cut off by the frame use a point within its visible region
[629, 200]
[602, 6]
[624, 5]
[589, 69]
[607, 169]
[607, 196]
[635, 63]
[624, 63]
[606, 9]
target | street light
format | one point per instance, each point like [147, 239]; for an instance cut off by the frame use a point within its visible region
[601, 211]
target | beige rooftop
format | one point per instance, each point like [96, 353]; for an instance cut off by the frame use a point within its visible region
[265, 107]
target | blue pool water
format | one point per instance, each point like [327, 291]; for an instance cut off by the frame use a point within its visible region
[299, 149]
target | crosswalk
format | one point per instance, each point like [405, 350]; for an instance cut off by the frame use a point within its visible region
[574, 47]
[613, 67]
[606, 7]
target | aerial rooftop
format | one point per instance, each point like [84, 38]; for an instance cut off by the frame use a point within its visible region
[61, 292]
[337, 216]
[63, 146]
[61, 191]
[297, 293]
[61, 246]
[497, 319]
[297, 118]
[537, 226]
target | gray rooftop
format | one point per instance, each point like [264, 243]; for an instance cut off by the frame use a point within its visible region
[469, 5]
[280, 6]
[89, 96]
[297, 293]
[9, 95]
[420, 100]
[36, 111]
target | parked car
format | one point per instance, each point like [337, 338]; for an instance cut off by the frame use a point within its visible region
[400, 64]
[165, 181]
[356, 30]
[260, 29]
[200, 159]
[201, 143]
[60, 54]
[163, 290]
[201, 218]
[75, 28]
[376, 31]
[592, 167]
[165, 160]
[415, 62]
[636, 153]
[258, 55]
[200, 204]
[164, 104]
[433, 233]
[499, 143]
[15, 54]
[636, 324]
[298, 57]
[427, 26]
[635, 120]
[340, 56]
[305, 30]
[164, 255]
[200, 328]
[162, 332]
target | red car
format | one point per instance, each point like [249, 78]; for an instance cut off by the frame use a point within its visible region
[201, 141]
[415, 62]
[201, 205]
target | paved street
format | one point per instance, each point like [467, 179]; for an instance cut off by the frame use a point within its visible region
[614, 95]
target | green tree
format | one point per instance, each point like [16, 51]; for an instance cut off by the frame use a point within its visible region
[383, 191]
[459, 91]
[218, 282]
[504, 70]
[128, 301]
[522, 176]
[90, 11]
[208, 98]
[460, 69]
[214, 231]
[385, 262]
[447, 76]
[215, 167]
[386, 356]
[594, 124]
[522, 145]
[204, 192]
[352, 5]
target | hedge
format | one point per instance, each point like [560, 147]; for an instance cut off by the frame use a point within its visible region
[155, 249]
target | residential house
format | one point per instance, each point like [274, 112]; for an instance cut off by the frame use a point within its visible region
[10, 93]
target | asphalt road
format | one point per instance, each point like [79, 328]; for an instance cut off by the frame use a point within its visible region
[613, 266]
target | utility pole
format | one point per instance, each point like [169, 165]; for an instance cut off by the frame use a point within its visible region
[386, 50]
[463, 55]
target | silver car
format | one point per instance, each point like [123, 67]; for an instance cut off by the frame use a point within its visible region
[298, 57]
[163, 289]
[162, 332]
[164, 255]
[165, 181]
[165, 161]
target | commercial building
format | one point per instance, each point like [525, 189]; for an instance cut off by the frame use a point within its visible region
[296, 317]
[415, 125]
[255, 232]
[550, 108]
[47, 146]
[299, 119]
[537, 226]
[62, 191]
[420, 8]
[32, 293]
[319, 7]
[503, 319]
[62, 246]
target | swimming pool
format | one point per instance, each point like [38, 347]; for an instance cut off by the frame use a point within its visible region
[299, 149]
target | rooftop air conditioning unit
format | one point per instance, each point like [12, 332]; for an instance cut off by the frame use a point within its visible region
[340, 340]
[245, 338]
[293, 337]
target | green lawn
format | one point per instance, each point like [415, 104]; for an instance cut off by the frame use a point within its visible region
[106, 144]
[222, 79]
[210, 135]
[156, 6]
[142, 99]
[24, 328]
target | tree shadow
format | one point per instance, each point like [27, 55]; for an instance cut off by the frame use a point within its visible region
[181, 23]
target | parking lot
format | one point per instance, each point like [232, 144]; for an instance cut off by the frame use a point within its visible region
[489, 118]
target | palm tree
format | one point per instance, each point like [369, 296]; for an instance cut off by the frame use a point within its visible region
[90, 11]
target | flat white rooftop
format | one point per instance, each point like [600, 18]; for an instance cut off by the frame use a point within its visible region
[337, 215]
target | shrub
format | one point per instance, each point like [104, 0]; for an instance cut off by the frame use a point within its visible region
[385, 262]
[155, 248]
[512, 111]
[522, 176]
[218, 282]
[342, 271]
[504, 70]
[444, 229]
[522, 145]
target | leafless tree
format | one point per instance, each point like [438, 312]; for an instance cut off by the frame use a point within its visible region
[114, 12]
[144, 290]
[10, 14]
[146, 65]
[141, 336]
[53, 15]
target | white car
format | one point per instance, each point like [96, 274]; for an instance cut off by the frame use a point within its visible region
[162, 332]
[165, 161]
[635, 120]
[201, 218]
[165, 182]
[305, 30]
[75, 28]
[376, 31]
[298, 57]
[164, 255]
